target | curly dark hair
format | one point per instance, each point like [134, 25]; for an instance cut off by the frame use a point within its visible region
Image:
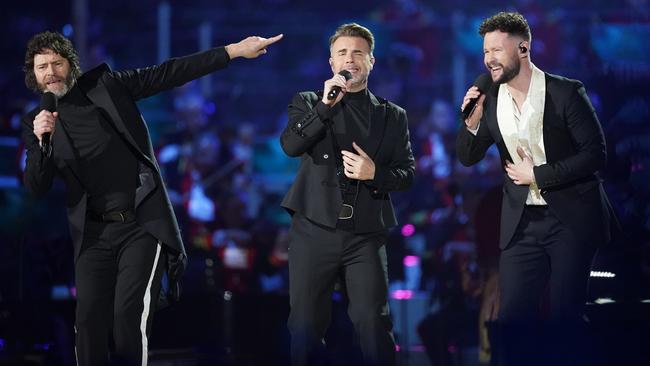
[511, 23]
[56, 42]
[354, 30]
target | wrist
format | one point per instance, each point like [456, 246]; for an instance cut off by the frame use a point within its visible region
[532, 175]
[232, 50]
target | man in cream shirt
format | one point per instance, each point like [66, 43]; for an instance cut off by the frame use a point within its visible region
[554, 211]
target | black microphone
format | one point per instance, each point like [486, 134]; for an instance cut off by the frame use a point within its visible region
[483, 82]
[48, 103]
[334, 92]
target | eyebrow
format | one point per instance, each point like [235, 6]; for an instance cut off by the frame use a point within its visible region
[50, 62]
[345, 50]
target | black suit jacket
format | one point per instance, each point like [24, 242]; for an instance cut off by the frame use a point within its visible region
[315, 192]
[115, 94]
[575, 150]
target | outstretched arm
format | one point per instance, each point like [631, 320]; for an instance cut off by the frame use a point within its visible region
[145, 82]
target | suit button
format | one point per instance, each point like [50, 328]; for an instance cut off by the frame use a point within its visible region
[299, 125]
[325, 156]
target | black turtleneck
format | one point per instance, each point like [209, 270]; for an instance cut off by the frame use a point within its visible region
[356, 114]
[108, 167]
[355, 127]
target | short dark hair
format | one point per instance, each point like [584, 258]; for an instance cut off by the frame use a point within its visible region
[511, 23]
[354, 30]
[56, 42]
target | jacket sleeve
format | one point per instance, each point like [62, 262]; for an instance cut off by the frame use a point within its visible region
[306, 125]
[589, 141]
[471, 148]
[398, 175]
[39, 167]
[174, 72]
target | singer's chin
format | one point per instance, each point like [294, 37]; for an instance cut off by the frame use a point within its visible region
[59, 90]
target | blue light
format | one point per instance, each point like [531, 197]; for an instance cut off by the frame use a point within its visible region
[67, 30]
[209, 108]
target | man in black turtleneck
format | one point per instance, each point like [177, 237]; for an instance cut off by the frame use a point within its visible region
[354, 150]
[123, 229]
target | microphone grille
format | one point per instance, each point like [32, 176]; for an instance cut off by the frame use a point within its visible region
[346, 74]
[48, 102]
[483, 82]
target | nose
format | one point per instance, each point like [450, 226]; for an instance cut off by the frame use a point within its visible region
[49, 70]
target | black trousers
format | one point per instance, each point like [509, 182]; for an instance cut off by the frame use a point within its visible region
[318, 256]
[544, 255]
[118, 276]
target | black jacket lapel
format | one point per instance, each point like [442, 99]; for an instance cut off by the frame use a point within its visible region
[378, 123]
[100, 96]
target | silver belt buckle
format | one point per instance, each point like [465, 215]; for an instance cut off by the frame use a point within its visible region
[347, 211]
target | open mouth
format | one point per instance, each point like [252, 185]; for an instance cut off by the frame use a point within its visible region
[54, 82]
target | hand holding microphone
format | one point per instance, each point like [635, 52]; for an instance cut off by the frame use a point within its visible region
[333, 87]
[472, 108]
[45, 120]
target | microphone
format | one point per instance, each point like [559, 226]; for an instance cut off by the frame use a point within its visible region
[483, 82]
[48, 103]
[334, 92]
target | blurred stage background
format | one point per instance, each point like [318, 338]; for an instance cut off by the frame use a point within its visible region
[217, 143]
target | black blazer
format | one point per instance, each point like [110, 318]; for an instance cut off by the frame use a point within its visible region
[575, 151]
[115, 94]
[315, 192]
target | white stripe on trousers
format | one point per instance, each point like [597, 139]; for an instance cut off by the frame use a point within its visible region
[145, 310]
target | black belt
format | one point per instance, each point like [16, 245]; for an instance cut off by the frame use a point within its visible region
[118, 216]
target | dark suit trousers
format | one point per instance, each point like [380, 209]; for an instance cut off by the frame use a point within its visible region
[318, 256]
[544, 255]
[118, 276]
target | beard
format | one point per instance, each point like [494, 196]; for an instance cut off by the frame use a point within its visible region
[509, 72]
[361, 80]
[68, 83]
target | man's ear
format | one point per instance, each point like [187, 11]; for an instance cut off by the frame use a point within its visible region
[331, 62]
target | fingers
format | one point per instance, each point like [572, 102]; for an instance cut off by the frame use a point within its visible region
[348, 166]
[477, 113]
[265, 42]
[44, 122]
[522, 154]
[336, 81]
[339, 80]
[479, 104]
[472, 93]
[352, 157]
[513, 174]
[272, 40]
[359, 150]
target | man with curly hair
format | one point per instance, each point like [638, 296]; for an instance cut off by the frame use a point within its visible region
[124, 231]
[554, 210]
